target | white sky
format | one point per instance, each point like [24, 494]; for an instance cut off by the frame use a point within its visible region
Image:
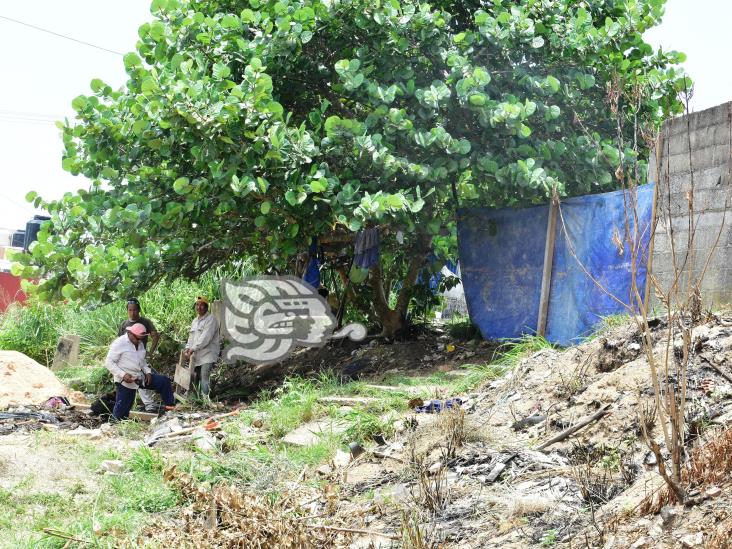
[41, 74]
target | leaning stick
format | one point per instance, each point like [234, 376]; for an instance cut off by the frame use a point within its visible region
[576, 427]
[719, 370]
[63, 535]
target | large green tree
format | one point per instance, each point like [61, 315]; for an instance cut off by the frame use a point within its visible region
[245, 128]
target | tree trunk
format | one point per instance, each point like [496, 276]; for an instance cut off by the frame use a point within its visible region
[393, 320]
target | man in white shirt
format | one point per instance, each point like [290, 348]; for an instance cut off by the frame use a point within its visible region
[203, 343]
[126, 361]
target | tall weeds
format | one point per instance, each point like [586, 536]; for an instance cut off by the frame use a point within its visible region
[34, 328]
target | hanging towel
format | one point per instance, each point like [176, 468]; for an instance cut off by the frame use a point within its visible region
[366, 249]
[312, 273]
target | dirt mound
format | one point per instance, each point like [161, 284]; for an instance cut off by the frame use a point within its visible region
[24, 381]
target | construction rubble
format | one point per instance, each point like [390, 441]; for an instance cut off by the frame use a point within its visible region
[550, 454]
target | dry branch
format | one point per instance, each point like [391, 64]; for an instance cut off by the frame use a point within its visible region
[576, 427]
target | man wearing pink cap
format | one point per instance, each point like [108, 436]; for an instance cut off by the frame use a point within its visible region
[126, 361]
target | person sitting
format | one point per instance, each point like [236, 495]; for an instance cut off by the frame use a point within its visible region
[126, 361]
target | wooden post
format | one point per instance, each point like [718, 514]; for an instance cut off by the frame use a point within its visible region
[546, 275]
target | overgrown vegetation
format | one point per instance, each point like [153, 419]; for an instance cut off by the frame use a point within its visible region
[249, 132]
[34, 328]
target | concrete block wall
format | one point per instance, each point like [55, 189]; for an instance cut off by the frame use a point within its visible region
[696, 148]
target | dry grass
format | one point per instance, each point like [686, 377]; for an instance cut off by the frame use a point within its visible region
[519, 506]
[414, 536]
[224, 516]
[721, 536]
[710, 463]
[431, 492]
[452, 425]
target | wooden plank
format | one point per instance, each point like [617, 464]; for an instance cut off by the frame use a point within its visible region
[142, 416]
[546, 275]
[182, 377]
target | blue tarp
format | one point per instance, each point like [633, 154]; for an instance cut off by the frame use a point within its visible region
[502, 257]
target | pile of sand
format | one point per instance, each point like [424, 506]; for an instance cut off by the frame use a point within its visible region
[23, 381]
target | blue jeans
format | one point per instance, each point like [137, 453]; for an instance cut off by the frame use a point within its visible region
[126, 396]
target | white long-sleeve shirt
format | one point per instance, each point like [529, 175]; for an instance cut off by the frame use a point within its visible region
[123, 358]
[203, 340]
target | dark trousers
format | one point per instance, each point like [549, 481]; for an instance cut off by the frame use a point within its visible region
[126, 396]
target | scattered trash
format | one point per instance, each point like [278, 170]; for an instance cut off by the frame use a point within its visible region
[56, 402]
[436, 406]
[356, 449]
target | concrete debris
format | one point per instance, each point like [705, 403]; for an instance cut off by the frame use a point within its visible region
[669, 513]
[341, 459]
[311, 433]
[204, 440]
[113, 466]
[91, 434]
[692, 540]
[713, 491]
[324, 470]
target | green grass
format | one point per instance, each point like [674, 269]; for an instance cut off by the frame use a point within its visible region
[511, 352]
[607, 324]
[119, 504]
[34, 328]
[91, 380]
[462, 328]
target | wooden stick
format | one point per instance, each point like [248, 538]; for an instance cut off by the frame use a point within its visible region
[63, 535]
[546, 275]
[142, 416]
[719, 370]
[576, 427]
[355, 531]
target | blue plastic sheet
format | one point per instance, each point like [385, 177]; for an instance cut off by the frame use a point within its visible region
[502, 258]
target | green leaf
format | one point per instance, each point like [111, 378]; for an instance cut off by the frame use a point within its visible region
[79, 103]
[97, 85]
[109, 173]
[265, 207]
[68, 291]
[230, 22]
[31, 196]
[477, 99]
[553, 83]
[318, 185]
[74, 264]
[132, 60]
[182, 185]
[221, 71]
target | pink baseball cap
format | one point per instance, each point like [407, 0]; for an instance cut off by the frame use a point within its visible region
[137, 330]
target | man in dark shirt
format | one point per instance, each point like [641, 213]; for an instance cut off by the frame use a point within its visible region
[133, 317]
[149, 398]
